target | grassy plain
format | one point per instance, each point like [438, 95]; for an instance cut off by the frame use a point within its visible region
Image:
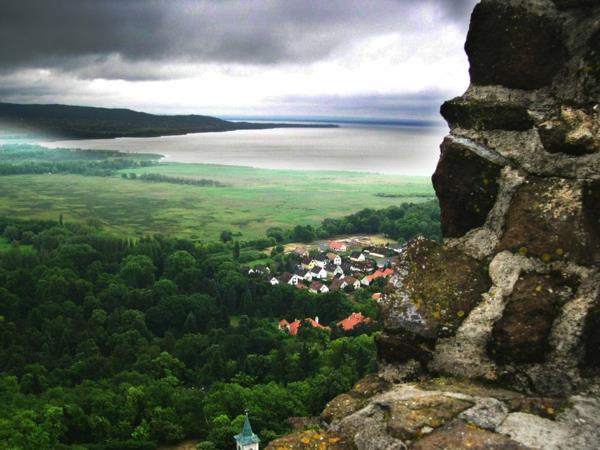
[252, 201]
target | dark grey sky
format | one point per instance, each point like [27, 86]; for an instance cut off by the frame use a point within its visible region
[176, 55]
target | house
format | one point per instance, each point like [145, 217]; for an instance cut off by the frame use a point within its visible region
[274, 281]
[304, 274]
[338, 284]
[305, 262]
[288, 278]
[321, 260]
[317, 287]
[259, 270]
[385, 273]
[293, 327]
[301, 285]
[333, 258]
[310, 264]
[337, 246]
[352, 321]
[300, 251]
[376, 252]
[362, 266]
[351, 281]
[376, 296]
[357, 256]
[334, 270]
[319, 273]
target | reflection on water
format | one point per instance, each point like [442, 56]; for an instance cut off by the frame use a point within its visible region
[383, 149]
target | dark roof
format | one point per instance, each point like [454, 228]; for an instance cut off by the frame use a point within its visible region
[316, 285]
[285, 277]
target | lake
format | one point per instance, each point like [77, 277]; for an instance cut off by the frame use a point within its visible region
[369, 148]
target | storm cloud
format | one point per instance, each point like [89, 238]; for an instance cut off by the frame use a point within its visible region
[227, 56]
[100, 39]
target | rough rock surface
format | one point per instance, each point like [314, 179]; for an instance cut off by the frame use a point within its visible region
[510, 45]
[466, 185]
[491, 340]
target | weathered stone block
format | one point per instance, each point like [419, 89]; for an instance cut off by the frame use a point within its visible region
[460, 435]
[513, 47]
[408, 417]
[466, 185]
[312, 440]
[555, 218]
[485, 115]
[521, 335]
[346, 404]
[400, 348]
[437, 287]
[576, 131]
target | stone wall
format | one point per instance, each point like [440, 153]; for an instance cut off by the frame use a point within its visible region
[492, 339]
[512, 295]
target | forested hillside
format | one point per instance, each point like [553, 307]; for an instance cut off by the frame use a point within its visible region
[84, 122]
[107, 343]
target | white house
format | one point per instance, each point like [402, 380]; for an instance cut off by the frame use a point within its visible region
[357, 256]
[274, 281]
[335, 259]
[304, 274]
[338, 284]
[351, 281]
[317, 287]
[319, 273]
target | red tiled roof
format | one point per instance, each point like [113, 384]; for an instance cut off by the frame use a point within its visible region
[316, 285]
[315, 324]
[376, 296]
[294, 326]
[380, 273]
[353, 320]
[336, 245]
[336, 284]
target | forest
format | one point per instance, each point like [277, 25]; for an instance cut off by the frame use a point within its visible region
[108, 343]
[113, 341]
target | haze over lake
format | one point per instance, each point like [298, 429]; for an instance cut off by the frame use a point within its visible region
[366, 148]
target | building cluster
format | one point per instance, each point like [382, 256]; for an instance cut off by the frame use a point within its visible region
[347, 324]
[337, 266]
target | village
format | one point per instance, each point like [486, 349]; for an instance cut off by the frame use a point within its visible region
[340, 265]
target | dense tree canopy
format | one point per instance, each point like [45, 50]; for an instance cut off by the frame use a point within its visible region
[107, 343]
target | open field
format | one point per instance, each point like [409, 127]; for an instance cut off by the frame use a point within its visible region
[252, 201]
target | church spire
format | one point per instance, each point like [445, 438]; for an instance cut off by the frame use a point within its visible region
[247, 440]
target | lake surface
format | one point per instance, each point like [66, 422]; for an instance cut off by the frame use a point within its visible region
[373, 148]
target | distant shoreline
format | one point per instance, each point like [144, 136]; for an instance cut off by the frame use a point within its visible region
[58, 122]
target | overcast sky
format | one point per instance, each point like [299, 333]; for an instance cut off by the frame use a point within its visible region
[370, 58]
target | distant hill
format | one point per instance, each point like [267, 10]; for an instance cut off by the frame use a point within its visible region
[84, 122]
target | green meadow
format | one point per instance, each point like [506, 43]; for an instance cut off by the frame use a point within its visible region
[251, 201]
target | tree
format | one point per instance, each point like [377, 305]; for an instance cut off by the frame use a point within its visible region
[137, 271]
[236, 250]
[226, 236]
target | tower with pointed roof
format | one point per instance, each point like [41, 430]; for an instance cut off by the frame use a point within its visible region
[246, 440]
